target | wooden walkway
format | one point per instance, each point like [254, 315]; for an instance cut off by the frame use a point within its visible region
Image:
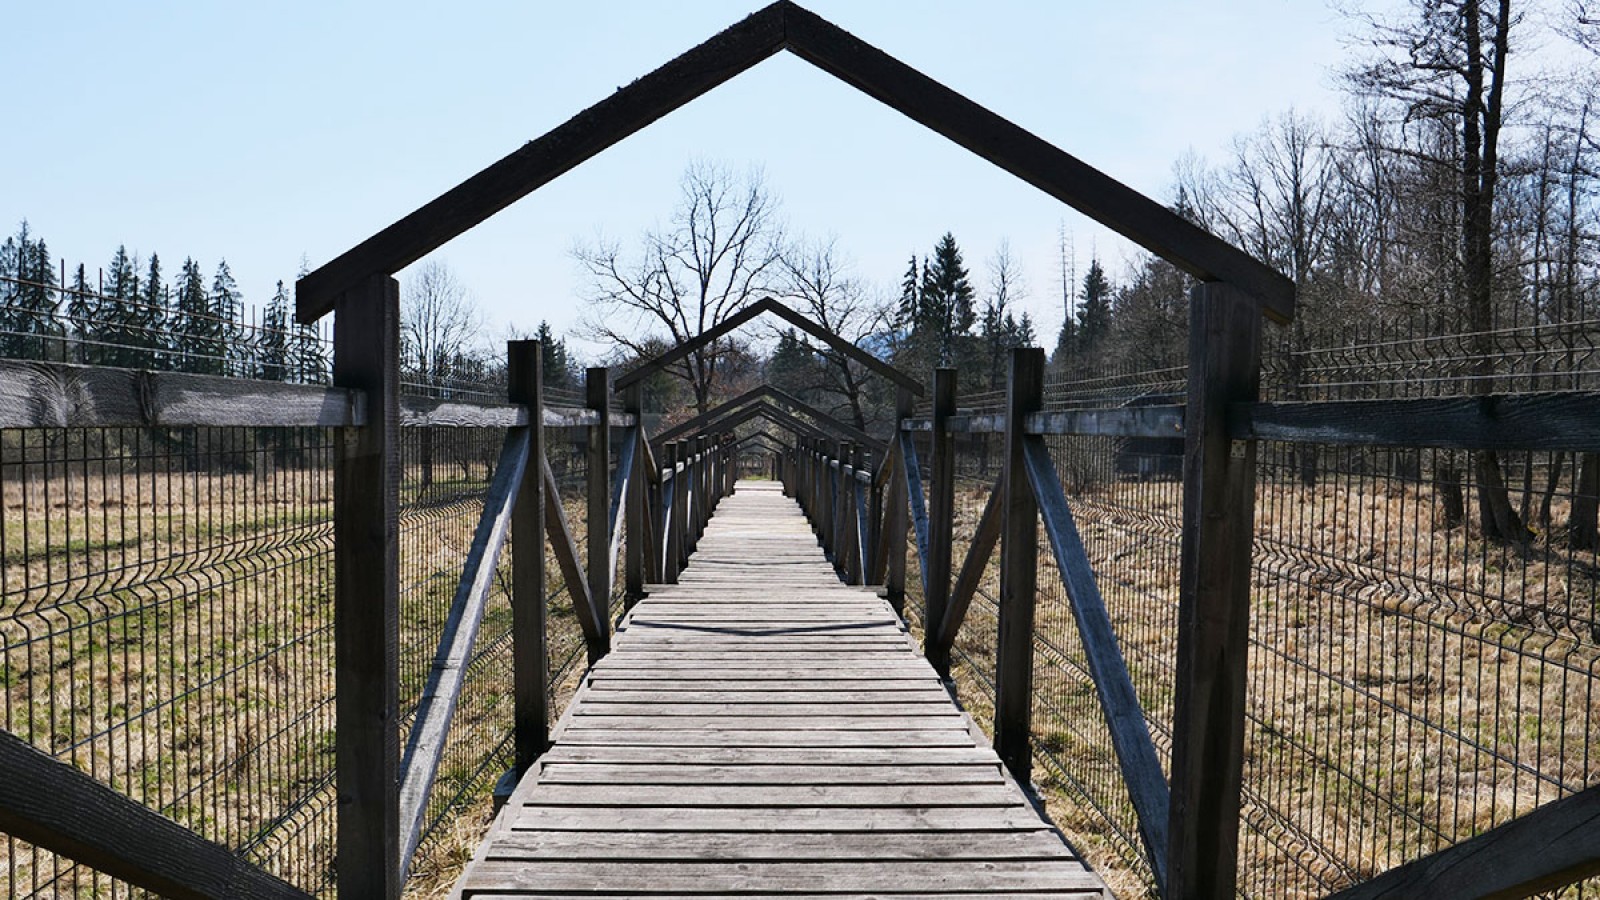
[761, 729]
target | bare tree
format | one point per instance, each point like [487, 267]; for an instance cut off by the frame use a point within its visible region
[439, 321]
[816, 280]
[720, 251]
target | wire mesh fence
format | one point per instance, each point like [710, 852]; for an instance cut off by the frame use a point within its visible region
[1414, 678]
[166, 626]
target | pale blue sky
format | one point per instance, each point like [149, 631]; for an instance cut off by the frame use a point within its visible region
[261, 132]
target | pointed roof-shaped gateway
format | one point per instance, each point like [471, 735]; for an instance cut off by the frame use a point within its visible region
[786, 26]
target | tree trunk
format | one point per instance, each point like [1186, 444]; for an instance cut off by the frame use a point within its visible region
[1447, 486]
[1557, 466]
[1583, 523]
[1500, 522]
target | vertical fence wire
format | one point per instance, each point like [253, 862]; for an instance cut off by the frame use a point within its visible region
[166, 626]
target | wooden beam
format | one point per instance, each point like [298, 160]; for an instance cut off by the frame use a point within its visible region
[541, 161]
[59, 809]
[764, 306]
[941, 519]
[1547, 423]
[1019, 572]
[1059, 174]
[637, 551]
[419, 766]
[1213, 597]
[918, 508]
[597, 500]
[56, 395]
[1119, 702]
[590, 617]
[1547, 848]
[984, 540]
[627, 452]
[530, 651]
[366, 542]
[1128, 421]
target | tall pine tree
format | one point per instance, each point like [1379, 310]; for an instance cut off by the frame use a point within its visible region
[197, 335]
[28, 325]
[226, 307]
[272, 346]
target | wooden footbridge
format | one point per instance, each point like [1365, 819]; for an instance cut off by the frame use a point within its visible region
[759, 722]
[763, 729]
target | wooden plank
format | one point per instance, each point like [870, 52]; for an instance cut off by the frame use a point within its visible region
[775, 796]
[1019, 567]
[602, 564]
[764, 755]
[768, 737]
[366, 503]
[824, 819]
[761, 775]
[621, 846]
[57, 395]
[1213, 597]
[677, 878]
[61, 810]
[1548, 848]
[419, 765]
[770, 306]
[1075, 183]
[1119, 702]
[425, 412]
[984, 539]
[1545, 423]
[530, 652]
[540, 161]
[1138, 421]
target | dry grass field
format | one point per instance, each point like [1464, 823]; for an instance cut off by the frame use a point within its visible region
[170, 632]
[1410, 685]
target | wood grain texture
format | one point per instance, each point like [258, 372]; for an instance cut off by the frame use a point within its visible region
[419, 765]
[366, 516]
[1019, 571]
[56, 395]
[1108, 670]
[762, 728]
[56, 807]
[1550, 847]
[1547, 423]
[1213, 597]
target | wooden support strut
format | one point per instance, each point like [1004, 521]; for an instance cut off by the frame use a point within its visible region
[366, 498]
[1019, 569]
[530, 654]
[898, 514]
[1214, 596]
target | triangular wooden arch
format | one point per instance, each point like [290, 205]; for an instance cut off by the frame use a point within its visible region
[707, 420]
[749, 313]
[779, 417]
[786, 26]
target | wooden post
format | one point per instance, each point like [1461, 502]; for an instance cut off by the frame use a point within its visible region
[1019, 565]
[899, 515]
[1214, 596]
[941, 516]
[669, 519]
[366, 504]
[636, 509]
[530, 654]
[597, 389]
[849, 539]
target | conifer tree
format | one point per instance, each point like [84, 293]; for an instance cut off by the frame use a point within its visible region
[197, 335]
[116, 320]
[272, 348]
[225, 306]
[28, 325]
[946, 302]
[82, 321]
[152, 317]
[1094, 313]
[554, 359]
